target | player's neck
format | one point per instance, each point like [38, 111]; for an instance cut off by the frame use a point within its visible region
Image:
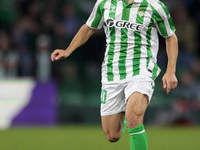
[129, 1]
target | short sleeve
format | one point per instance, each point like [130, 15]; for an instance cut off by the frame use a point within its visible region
[163, 20]
[96, 17]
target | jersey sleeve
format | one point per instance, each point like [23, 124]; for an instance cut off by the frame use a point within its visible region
[163, 20]
[96, 18]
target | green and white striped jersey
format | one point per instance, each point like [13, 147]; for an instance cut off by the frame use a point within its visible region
[131, 36]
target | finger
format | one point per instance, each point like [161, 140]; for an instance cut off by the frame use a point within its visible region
[174, 85]
[54, 55]
[164, 83]
[168, 88]
[57, 57]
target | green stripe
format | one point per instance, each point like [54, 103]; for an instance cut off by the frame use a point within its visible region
[148, 36]
[138, 40]
[106, 31]
[148, 60]
[160, 22]
[124, 3]
[124, 44]
[155, 70]
[172, 27]
[110, 74]
[98, 15]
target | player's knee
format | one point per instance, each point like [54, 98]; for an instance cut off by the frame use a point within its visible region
[113, 137]
[134, 120]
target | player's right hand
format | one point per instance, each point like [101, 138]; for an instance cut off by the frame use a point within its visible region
[59, 54]
[169, 81]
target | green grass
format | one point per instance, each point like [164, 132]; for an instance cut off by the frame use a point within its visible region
[76, 137]
[174, 138]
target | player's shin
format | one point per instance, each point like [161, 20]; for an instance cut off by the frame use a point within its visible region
[138, 138]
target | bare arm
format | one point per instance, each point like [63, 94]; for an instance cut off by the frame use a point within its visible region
[169, 79]
[81, 37]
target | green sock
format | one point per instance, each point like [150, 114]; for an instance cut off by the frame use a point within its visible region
[124, 126]
[138, 138]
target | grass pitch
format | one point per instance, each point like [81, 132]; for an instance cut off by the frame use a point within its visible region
[84, 137]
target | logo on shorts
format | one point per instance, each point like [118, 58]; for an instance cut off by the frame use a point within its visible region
[103, 96]
[148, 91]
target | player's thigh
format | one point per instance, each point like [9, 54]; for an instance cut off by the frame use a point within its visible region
[113, 124]
[135, 109]
[138, 93]
[137, 104]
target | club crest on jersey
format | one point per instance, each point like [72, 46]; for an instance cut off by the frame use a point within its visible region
[141, 12]
[124, 24]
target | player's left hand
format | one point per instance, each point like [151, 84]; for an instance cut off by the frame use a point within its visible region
[169, 81]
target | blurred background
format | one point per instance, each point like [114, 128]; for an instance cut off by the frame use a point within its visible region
[36, 92]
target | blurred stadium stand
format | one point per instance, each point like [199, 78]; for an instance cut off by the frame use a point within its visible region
[31, 29]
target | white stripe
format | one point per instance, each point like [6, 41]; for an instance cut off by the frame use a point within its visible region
[138, 132]
[151, 65]
[158, 72]
[93, 14]
[106, 29]
[138, 1]
[156, 24]
[130, 41]
[146, 23]
[101, 23]
[154, 43]
[118, 16]
[143, 48]
[106, 15]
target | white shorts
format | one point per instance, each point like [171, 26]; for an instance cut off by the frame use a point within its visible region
[115, 94]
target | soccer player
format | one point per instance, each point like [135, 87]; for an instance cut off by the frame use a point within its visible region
[129, 67]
